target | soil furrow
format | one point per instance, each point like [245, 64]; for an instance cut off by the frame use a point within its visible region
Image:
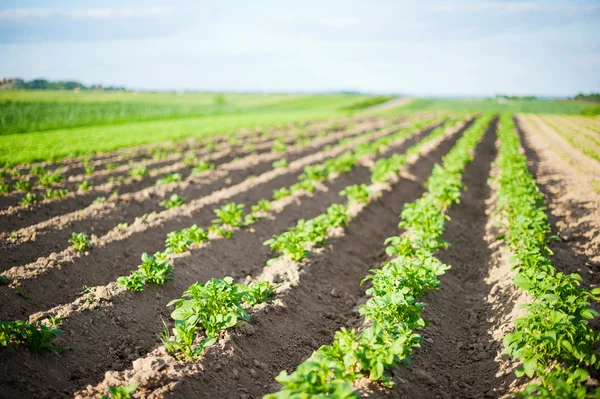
[108, 337]
[112, 259]
[457, 358]
[127, 208]
[280, 335]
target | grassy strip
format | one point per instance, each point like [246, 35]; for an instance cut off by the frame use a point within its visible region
[22, 112]
[393, 312]
[52, 145]
[553, 338]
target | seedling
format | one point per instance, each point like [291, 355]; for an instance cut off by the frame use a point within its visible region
[120, 179]
[356, 193]
[89, 170]
[190, 160]
[214, 306]
[58, 193]
[139, 172]
[281, 164]
[36, 336]
[84, 185]
[23, 185]
[279, 146]
[111, 166]
[281, 193]
[202, 167]
[173, 202]
[50, 179]
[154, 269]
[29, 199]
[24, 294]
[99, 200]
[80, 241]
[262, 206]
[55, 320]
[169, 178]
[120, 392]
[38, 170]
[231, 214]
[5, 188]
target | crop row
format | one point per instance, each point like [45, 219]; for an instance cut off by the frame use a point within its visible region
[173, 181]
[189, 336]
[155, 269]
[553, 338]
[232, 216]
[195, 305]
[393, 312]
[307, 234]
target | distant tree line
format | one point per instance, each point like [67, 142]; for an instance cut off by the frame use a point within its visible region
[515, 98]
[588, 97]
[43, 84]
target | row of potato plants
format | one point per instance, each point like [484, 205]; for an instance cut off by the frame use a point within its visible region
[156, 268]
[294, 244]
[393, 312]
[553, 338]
[153, 269]
[190, 314]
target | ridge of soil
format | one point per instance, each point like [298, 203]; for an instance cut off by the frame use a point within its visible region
[22, 216]
[280, 335]
[109, 337]
[127, 208]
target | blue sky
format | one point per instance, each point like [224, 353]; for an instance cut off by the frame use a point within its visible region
[415, 47]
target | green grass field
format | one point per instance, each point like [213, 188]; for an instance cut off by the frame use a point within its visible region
[51, 125]
[38, 126]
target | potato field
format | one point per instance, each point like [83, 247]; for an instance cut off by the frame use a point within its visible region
[427, 253]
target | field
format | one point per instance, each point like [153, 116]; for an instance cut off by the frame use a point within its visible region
[293, 246]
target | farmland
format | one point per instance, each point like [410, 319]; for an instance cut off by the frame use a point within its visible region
[294, 246]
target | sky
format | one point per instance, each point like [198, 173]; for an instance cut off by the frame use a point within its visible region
[437, 48]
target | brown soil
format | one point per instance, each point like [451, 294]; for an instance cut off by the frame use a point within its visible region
[113, 337]
[300, 319]
[109, 337]
[71, 271]
[17, 217]
[53, 235]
